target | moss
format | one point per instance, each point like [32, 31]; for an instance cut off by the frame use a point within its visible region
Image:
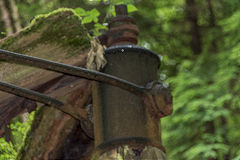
[41, 19]
[8, 43]
[62, 26]
[73, 35]
[56, 36]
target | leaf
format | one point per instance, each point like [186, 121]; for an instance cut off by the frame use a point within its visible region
[80, 12]
[94, 12]
[87, 19]
[95, 19]
[131, 8]
[112, 11]
[99, 26]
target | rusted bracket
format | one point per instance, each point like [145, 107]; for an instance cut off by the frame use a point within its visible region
[159, 103]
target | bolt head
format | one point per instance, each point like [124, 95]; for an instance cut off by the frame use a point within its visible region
[162, 100]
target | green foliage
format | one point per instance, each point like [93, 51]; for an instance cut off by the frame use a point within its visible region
[88, 16]
[206, 103]
[207, 99]
[91, 17]
[19, 130]
[131, 8]
[205, 87]
[7, 151]
[3, 33]
[28, 9]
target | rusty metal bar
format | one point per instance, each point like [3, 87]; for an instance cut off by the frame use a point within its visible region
[9, 56]
[32, 95]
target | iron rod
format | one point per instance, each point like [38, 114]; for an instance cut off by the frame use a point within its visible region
[9, 56]
[30, 94]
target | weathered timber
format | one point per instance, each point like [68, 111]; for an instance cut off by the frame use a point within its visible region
[52, 129]
[58, 36]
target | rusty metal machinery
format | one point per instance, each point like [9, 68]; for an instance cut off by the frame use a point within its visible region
[120, 117]
[147, 93]
[128, 100]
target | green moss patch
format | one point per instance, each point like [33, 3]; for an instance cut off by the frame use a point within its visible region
[61, 26]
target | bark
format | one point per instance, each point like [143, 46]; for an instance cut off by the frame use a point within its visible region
[58, 135]
[7, 134]
[15, 15]
[192, 17]
[212, 25]
[6, 18]
[211, 13]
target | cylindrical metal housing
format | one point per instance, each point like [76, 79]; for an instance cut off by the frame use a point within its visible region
[119, 116]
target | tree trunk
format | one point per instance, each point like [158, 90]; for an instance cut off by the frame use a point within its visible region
[6, 16]
[192, 17]
[212, 25]
[15, 16]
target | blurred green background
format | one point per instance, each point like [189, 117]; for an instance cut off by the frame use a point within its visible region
[199, 41]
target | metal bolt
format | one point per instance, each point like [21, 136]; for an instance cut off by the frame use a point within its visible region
[159, 101]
